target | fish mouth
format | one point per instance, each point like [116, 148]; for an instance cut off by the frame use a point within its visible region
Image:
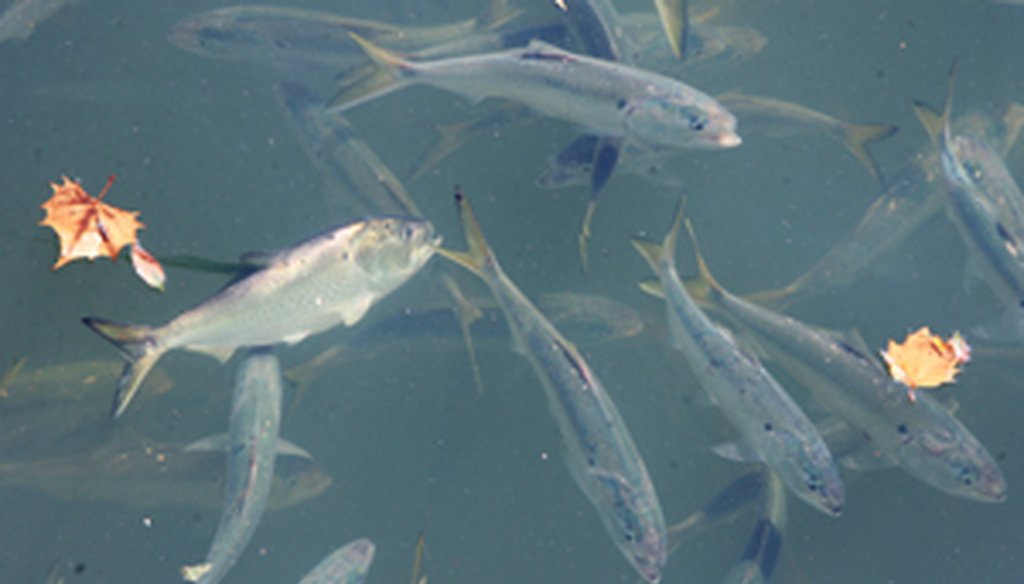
[728, 140]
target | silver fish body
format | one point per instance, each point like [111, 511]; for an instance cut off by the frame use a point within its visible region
[608, 98]
[325, 281]
[772, 425]
[599, 451]
[252, 448]
[922, 436]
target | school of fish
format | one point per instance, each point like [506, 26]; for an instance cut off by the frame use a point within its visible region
[803, 407]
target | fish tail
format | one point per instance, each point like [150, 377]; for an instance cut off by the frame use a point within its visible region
[139, 346]
[936, 123]
[856, 136]
[777, 298]
[385, 75]
[674, 19]
[656, 254]
[497, 14]
[704, 288]
[466, 312]
[479, 258]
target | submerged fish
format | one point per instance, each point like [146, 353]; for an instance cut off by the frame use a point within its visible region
[252, 447]
[772, 425]
[140, 473]
[324, 281]
[346, 565]
[347, 164]
[922, 437]
[612, 99]
[778, 117]
[600, 453]
[294, 37]
[987, 206]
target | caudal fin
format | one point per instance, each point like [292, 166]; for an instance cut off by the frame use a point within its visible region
[666, 252]
[384, 75]
[673, 16]
[856, 136]
[139, 348]
[479, 258]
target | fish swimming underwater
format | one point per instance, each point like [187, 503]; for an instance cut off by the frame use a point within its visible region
[923, 437]
[773, 426]
[611, 99]
[599, 451]
[252, 448]
[324, 281]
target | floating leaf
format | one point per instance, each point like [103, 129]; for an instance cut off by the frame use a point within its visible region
[926, 360]
[87, 227]
[147, 268]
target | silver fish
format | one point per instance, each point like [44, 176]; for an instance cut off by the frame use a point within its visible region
[767, 115]
[327, 280]
[772, 425]
[349, 167]
[599, 450]
[346, 565]
[252, 448]
[294, 37]
[987, 207]
[611, 99]
[923, 437]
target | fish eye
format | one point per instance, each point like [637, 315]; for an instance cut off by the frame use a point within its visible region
[408, 232]
[967, 477]
[698, 123]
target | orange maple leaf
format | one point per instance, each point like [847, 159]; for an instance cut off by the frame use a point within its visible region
[926, 360]
[87, 227]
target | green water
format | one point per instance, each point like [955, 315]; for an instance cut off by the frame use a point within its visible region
[201, 148]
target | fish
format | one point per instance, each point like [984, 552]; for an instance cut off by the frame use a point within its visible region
[51, 409]
[892, 219]
[330, 279]
[922, 437]
[911, 199]
[135, 471]
[767, 115]
[293, 38]
[346, 565]
[347, 164]
[611, 99]
[772, 425]
[350, 165]
[987, 206]
[599, 451]
[252, 447]
[23, 16]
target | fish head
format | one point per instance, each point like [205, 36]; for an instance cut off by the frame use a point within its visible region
[637, 526]
[813, 476]
[394, 247]
[944, 454]
[216, 33]
[681, 122]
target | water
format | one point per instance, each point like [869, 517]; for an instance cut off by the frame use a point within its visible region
[200, 148]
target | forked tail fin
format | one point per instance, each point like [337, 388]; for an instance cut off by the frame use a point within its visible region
[139, 348]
